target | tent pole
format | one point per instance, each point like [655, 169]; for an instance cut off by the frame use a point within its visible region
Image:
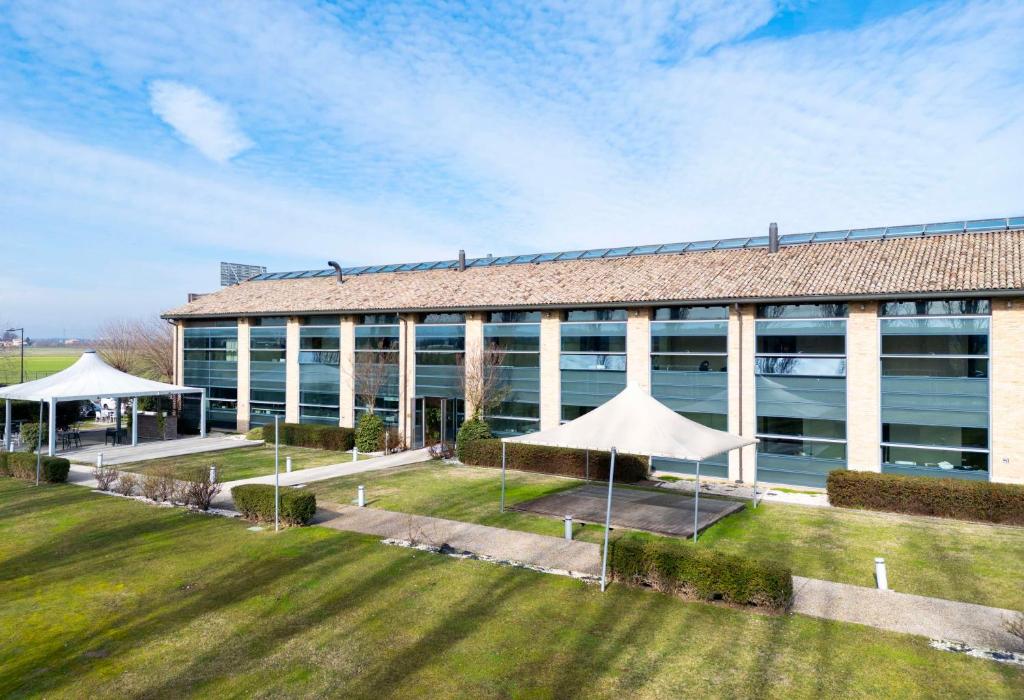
[502, 476]
[588, 464]
[277, 472]
[135, 421]
[202, 413]
[39, 443]
[53, 428]
[755, 481]
[696, 503]
[7, 424]
[607, 524]
[117, 423]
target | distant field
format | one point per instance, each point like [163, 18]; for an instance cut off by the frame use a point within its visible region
[38, 361]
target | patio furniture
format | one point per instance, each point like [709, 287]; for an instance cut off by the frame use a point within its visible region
[115, 436]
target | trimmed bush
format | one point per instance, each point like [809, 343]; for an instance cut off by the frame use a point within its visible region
[256, 502]
[30, 435]
[370, 433]
[471, 430]
[22, 465]
[925, 495]
[679, 568]
[321, 437]
[554, 460]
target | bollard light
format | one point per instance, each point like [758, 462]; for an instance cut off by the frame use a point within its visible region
[355, 453]
[361, 498]
[568, 527]
[881, 577]
[213, 474]
[99, 461]
[288, 465]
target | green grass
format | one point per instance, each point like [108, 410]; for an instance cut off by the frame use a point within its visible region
[950, 559]
[243, 462]
[105, 597]
[39, 359]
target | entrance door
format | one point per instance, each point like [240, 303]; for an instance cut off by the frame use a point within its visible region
[436, 419]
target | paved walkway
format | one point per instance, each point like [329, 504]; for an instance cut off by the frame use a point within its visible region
[975, 625]
[507, 545]
[766, 494]
[156, 449]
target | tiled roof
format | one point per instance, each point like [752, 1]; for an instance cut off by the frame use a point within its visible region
[960, 263]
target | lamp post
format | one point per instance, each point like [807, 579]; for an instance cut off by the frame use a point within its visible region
[22, 330]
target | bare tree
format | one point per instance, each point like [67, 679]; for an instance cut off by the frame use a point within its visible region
[372, 372]
[485, 380]
[116, 345]
[139, 346]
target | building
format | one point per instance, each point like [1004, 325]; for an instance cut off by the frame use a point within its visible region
[894, 349]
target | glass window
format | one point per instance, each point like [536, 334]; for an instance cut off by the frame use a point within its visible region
[837, 310]
[801, 366]
[691, 313]
[802, 427]
[268, 321]
[596, 315]
[377, 320]
[935, 367]
[443, 318]
[936, 307]
[938, 462]
[801, 344]
[326, 320]
[514, 317]
[935, 435]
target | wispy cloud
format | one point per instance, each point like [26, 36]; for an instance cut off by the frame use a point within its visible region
[394, 131]
[199, 119]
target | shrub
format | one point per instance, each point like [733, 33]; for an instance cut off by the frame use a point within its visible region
[105, 477]
[197, 490]
[680, 568]
[126, 484]
[370, 433]
[472, 429]
[257, 433]
[321, 437]
[30, 435]
[554, 460]
[151, 486]
[256, 502]
[924, 495]
[22, 465]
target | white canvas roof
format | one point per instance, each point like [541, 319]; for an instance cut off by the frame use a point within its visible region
[88, 378]
[634, 422]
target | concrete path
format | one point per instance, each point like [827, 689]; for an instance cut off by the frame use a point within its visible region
[156, 449]
[935, 618]
[730, 489]
[975, 625]
[507, 545]
[330, 471]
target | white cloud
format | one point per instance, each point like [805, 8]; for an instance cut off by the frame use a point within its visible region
[211, 127]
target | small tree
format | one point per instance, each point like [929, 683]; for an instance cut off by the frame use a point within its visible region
[371, 373]
[472, 429]
[370, 433]
[116, 345]
[30, 434]
[484, 382]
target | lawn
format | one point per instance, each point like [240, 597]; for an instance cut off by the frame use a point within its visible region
[241, 463]
[37, 360]
[102, 596]
[943, 558]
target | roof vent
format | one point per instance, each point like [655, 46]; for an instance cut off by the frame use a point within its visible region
[773, 237]
[462, 260]
[337, 268]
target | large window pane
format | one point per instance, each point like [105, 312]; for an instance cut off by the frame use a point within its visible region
[934, 367]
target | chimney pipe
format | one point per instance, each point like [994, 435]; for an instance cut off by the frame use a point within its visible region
[337, 268]
[462, 260]
[773, 238]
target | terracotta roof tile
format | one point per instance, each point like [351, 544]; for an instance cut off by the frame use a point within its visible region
[970, 262]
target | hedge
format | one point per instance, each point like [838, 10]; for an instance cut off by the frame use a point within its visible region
[554, 460]
[321, 437]
[23, 466]
[256, 502]
[472, 430]
[680, 568]
[924, 495]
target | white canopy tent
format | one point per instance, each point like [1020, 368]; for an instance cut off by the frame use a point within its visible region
[634, 422]
[89, 378]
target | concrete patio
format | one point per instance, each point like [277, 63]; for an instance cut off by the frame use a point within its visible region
[662, 513]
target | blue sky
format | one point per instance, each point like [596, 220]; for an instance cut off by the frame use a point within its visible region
[141, 143]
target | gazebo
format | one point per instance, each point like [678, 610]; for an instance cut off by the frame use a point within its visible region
[634, 422]
[89, 378]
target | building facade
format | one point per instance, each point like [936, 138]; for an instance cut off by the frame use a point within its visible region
[895, 350]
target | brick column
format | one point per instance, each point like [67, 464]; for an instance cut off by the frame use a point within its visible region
[346, 370]
[863, 389]
[406, 374]
[1006, 389]
[474, 353]
[291, 371]
[242, 406]
[550, 371]
[638, 348]
[746, 409]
